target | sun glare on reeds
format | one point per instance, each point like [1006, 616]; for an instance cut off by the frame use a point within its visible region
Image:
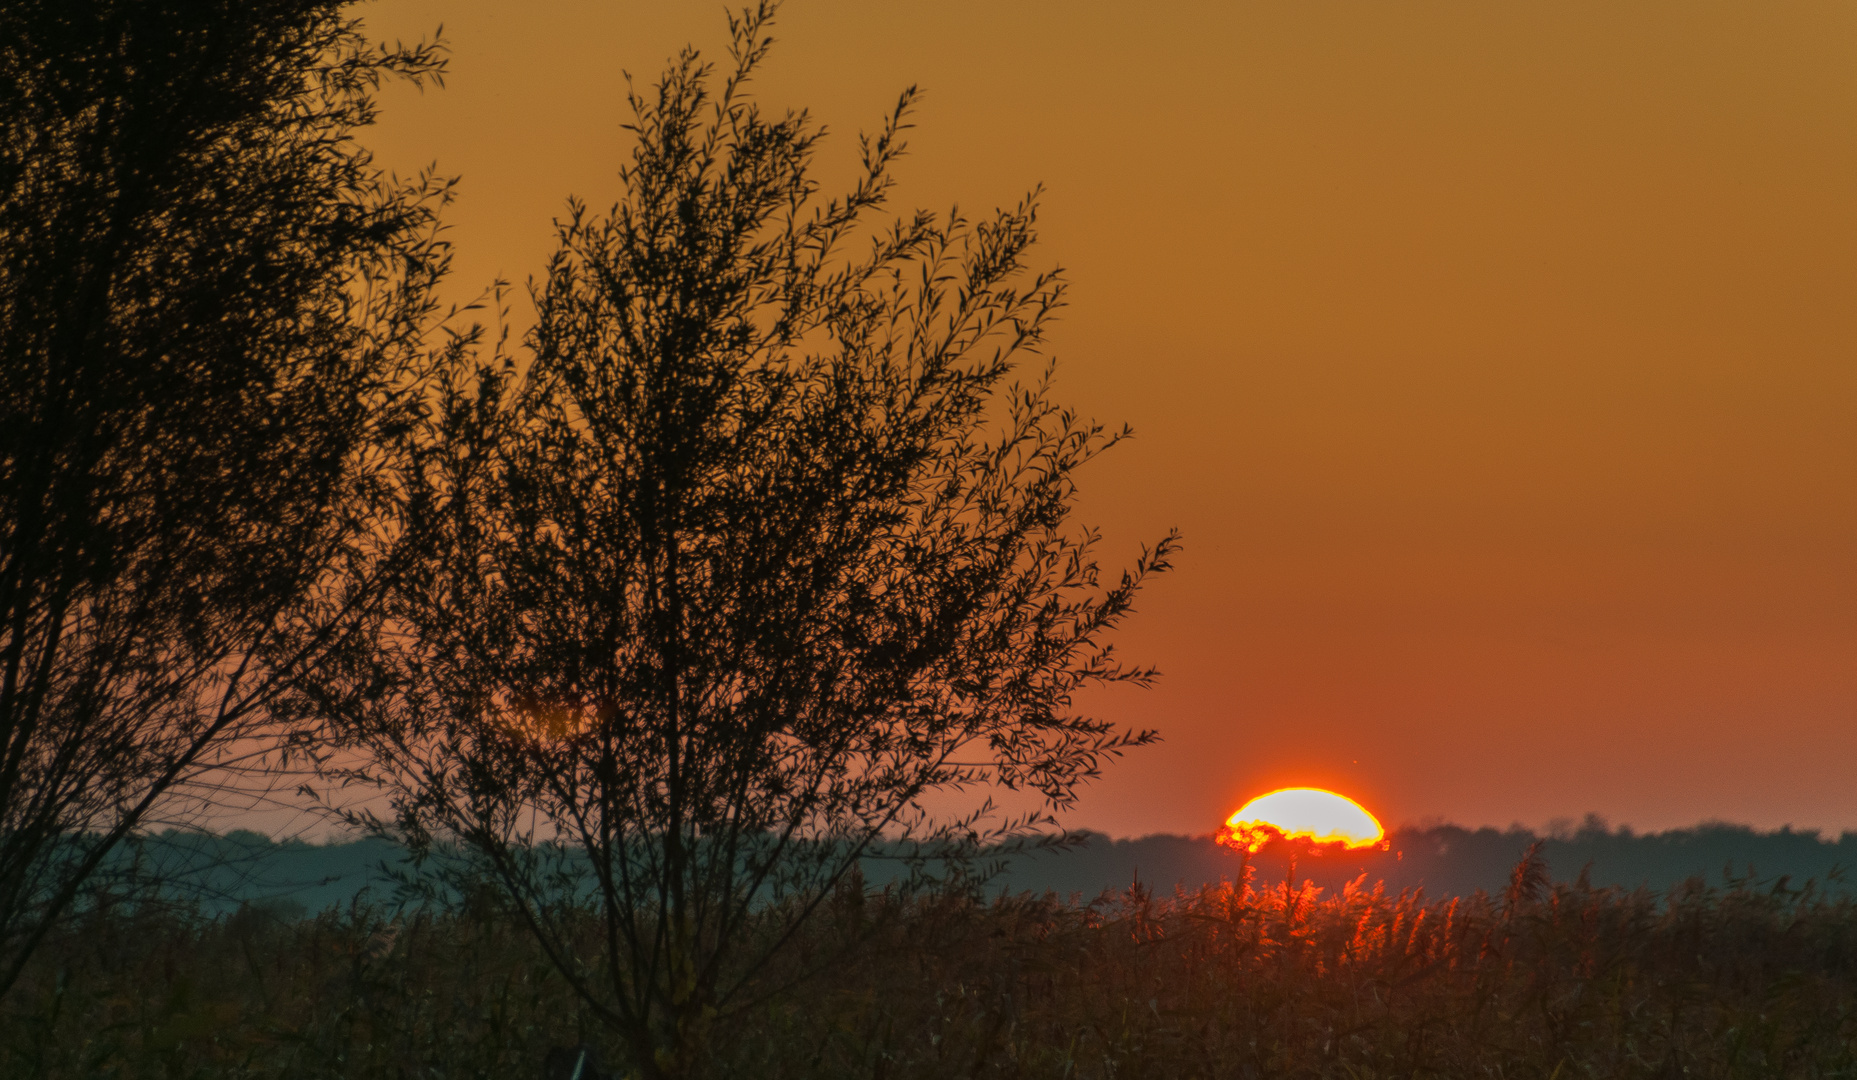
[1314, 814]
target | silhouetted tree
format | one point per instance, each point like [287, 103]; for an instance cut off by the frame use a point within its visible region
[210, 305]
[758, 561]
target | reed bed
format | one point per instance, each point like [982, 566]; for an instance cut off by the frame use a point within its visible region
[1238, 980]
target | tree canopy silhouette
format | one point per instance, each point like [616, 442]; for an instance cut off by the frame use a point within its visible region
[756, 558]
[210, 304]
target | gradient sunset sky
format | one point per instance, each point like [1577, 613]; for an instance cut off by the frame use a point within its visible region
[1497, 360]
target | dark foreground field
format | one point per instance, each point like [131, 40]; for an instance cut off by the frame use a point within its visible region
[1569, 982]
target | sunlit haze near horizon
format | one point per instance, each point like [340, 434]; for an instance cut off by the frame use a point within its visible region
[1497, 361]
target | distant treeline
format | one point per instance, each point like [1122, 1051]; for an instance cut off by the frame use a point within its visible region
[224, 872]
[1449, 860]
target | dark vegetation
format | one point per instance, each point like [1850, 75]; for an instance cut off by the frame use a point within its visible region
[754, 553]
[644, 634]
[209, 313]
[1534, 981]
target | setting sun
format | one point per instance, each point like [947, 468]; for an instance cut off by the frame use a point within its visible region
[1315, 814]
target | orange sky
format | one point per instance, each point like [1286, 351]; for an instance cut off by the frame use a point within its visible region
[1498, 360]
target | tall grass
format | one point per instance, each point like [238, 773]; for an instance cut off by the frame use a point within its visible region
[1237, 980]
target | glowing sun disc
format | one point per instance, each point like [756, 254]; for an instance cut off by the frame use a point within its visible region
[1318, 815]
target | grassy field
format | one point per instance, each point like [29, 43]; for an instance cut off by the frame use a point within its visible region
[1248, 981]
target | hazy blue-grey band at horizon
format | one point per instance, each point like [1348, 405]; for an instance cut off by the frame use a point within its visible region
[220, 873]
